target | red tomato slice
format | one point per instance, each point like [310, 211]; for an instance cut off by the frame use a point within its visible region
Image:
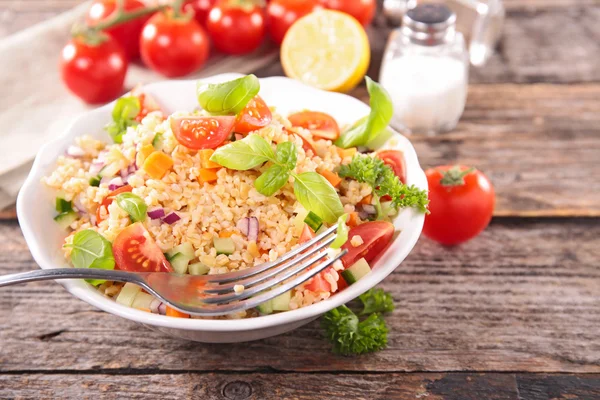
[307, 143]
[320, 124]
[376, 236]
[108, 201]
[134, 250]
[254, 116]
[306, 235]
[317, 283]
[395, 160]
[148, 103]
[198, 133]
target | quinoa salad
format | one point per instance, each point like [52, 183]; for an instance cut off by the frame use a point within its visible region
[228, 186]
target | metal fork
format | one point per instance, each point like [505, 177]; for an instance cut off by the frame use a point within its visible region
[212, 295]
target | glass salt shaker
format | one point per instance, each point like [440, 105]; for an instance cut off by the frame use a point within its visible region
[425, 70]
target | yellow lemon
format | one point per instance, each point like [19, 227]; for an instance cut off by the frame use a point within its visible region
[326, 49]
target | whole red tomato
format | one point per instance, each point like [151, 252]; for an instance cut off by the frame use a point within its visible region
[94, 72]
[281, 14]
[461, 202]
[173, 46]
[200, 8]
[127, 34]
[236, 26]
[362, 10]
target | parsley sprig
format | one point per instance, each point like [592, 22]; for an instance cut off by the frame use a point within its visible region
[381, 178]
[350, 335]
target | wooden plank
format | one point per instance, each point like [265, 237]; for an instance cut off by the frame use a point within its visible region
[522, 297]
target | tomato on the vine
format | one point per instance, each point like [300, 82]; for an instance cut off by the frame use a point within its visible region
[173, 45]
[200, 8]
[198, 133]
[362, 10]
[281, 14]
[254, 116]
[93, 71]
[128, 33]
[461, 202]
[236, 26]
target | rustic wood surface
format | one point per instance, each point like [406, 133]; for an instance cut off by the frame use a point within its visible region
[513, 314]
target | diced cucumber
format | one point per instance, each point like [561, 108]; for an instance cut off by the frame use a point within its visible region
[356, 271]
[266, 307]
[142, 301]
[157, 142]
[65, 219]
[109, 170]
[63, 206]
[179, 262]
[127, 294]
[298, 221]
[95, 181]
[388, 209]
[224, 245]
[198, 269]
[313, 220]
[186, 249]
[282, 302]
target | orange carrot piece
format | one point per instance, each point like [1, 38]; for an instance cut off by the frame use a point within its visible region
[332, 177]
[158, 164]
[353, 219]
[143, 154]
[207, 175]
[343, 153]
[205, 162]
[171, 312]
[366, 199]
[226, 234]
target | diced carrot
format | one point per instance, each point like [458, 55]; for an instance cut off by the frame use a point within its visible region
[226, 234]
[366, 199]
[343, 153]
[353, 219]
[171, 312]
[144, 152]
[253, 249]
[205, 162]
[158, 164]
[207, 175]
[332, 177]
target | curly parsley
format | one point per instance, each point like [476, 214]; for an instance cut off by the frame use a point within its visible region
[376, 301]
[381, 178]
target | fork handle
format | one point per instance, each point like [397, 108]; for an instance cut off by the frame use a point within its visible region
[67, 273]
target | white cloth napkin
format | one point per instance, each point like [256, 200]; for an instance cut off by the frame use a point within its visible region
[35, 106]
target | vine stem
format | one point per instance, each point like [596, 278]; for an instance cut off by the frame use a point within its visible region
[120, 16]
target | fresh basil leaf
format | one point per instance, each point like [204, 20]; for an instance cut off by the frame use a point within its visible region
[227, 98]
[123, 114]
[367, 129]
[342, 233]
[133, 205]
[243, 154]
[286, 154]
[272, 180]
[92, 250]
[316, 194]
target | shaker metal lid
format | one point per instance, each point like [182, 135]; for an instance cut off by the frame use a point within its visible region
[429, 23]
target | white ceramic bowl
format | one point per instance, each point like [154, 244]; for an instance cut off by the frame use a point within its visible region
[35, 208]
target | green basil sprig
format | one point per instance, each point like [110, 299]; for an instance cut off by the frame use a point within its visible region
[367, 129]
[91, 250]
[123, 115]
[227, 98]
[313, 191]
[133, 205]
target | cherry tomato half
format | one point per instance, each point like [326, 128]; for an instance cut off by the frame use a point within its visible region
[395, 160]
[102, 209]
[318, 123]
[461, 204]
[94, 73]
[317, 283]
[134, 250]
[200, 8]
[281, 14]
[307, 143]
[376, 236]
[234, 28]
[173, 46]
[198, 133]
[127, 34]
[254, 116]
[362, 10]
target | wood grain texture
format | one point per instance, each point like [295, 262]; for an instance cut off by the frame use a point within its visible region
[522, 297]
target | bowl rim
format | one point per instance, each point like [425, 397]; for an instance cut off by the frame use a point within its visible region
[87, 293]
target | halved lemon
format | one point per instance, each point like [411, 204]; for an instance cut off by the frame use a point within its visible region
[326, 49]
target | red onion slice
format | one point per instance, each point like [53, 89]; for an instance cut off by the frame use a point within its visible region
[369, 209]
[78, 206]
[243, 225]
[115, 183]
[171, 218]
[157, 213]
[253, 229]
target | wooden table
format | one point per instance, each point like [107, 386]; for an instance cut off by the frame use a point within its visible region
[514, 314]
